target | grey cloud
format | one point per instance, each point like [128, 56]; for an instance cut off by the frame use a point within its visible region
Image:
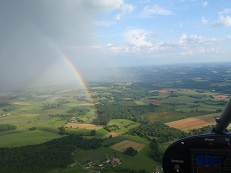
[29, 28]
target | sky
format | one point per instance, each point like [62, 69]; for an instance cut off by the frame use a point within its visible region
[35, 35]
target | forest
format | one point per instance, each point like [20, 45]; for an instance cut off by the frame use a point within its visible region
[164, 132]
[6, 127]
[117, 111]
[52, 154]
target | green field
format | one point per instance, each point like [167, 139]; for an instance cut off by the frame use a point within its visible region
[101, 132]
[26, 110]
[101, 154]
[190, 100]
[124, 125]
[145, 162]
[111, 141]
[26, 138]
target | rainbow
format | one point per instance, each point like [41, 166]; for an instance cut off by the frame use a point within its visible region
[72, 67]
[80, 79]
[77, 75]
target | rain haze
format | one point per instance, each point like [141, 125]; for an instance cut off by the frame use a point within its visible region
[38, 38]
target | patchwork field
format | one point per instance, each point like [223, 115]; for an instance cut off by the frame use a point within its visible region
[22, 103]
[44, 111]
[187, 100]
[140, 102]
[48, 111]
[168, 91]
[112, 134]
[156, 102]
[84, 126]
[194, 122]
[122, 146]
[220, 97]
[101, 154]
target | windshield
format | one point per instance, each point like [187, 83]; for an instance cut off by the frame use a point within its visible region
[102, 85]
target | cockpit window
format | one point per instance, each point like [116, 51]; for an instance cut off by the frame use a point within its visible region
[108, 85]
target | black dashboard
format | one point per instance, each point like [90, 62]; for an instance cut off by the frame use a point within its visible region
[210, 153]
[207, 153]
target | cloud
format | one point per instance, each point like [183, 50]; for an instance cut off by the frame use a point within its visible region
[114, 48]
[115, 5]
[118, 17]
[186, 44]
[225, 11]
[205, 4]
[150, 11]
[191, 40]
[204, 20]
[103, 4]
[135, 41]
[32, 32]
[193, 45]
[186, 51]
[125, 8]
[183, 38]
[209, 50]
[224, 18]
[137, 38]
[104, 23]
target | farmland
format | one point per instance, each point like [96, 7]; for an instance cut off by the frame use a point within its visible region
[83, 126]
[123, 124]
[194, 123]
[138, 114]
[122, 146]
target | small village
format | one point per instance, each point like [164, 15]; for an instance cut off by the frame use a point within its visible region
[6, 114]
[114, 161]
[96, 167]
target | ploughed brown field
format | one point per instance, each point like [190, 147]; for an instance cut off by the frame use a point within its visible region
[113, 134]
[220, 97]
[194, 122]
[155, 101]
[123, 145]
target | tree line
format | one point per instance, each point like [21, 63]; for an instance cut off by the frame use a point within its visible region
[118, 111]
[6, 127]
[202, 130]
[39, 158]
[79, 110]
[155, 154]
[164, 132]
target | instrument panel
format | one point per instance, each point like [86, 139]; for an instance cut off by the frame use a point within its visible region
[210, 153]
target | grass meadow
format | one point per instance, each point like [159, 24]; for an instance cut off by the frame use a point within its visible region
[124, 125]
[26, 110]
[26, 138]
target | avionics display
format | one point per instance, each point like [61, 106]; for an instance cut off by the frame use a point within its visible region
[211, 161]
